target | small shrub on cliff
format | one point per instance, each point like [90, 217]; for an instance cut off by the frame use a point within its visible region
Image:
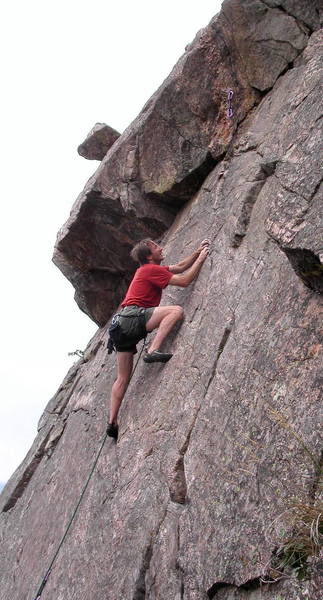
[79, 353]
[305, 540]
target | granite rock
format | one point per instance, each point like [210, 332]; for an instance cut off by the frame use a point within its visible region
[217, 444]
[98, 142]
[161, 160]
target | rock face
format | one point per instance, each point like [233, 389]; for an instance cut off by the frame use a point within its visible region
[216, 445]
[98, 142]
[160, 162]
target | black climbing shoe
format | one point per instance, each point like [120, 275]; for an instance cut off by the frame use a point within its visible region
[112, 430]
[157, 356]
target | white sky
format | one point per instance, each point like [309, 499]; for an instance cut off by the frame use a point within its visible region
[66, 65]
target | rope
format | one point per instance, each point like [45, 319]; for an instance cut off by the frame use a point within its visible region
[48, 572]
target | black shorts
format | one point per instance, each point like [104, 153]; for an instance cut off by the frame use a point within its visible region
[128, 327]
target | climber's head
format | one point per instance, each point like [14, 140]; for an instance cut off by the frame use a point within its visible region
[147, 251]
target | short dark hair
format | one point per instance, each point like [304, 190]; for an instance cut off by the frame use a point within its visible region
[141, 251]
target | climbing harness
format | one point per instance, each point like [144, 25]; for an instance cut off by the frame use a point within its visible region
[230, 107]
[118, 335]
[48, 572]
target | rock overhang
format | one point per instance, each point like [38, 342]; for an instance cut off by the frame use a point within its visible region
[163, 157]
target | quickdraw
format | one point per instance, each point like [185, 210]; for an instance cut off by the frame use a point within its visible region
[230, 106]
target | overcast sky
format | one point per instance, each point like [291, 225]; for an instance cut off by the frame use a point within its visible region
[66, 65]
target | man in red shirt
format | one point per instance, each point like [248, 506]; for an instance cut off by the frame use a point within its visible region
[141, 312]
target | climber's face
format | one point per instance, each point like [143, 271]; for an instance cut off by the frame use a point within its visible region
[156, 252]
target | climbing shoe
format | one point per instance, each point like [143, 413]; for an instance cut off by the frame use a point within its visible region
[157, 356]
[112, 430]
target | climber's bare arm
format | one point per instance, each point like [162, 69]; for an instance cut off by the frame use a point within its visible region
[184, 279]
[187, 262]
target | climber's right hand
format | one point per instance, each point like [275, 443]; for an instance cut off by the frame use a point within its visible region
[203, 254]
[203, 244]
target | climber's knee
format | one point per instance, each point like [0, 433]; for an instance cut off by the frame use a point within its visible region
[179, 312]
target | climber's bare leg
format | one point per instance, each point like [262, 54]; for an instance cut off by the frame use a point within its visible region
[165, 318]
[119, 388]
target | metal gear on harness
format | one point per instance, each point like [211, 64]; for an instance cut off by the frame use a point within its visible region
[120, 333]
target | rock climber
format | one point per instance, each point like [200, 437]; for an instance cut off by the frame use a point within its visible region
[141, 313]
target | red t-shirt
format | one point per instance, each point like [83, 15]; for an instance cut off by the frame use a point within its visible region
[147, 285]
